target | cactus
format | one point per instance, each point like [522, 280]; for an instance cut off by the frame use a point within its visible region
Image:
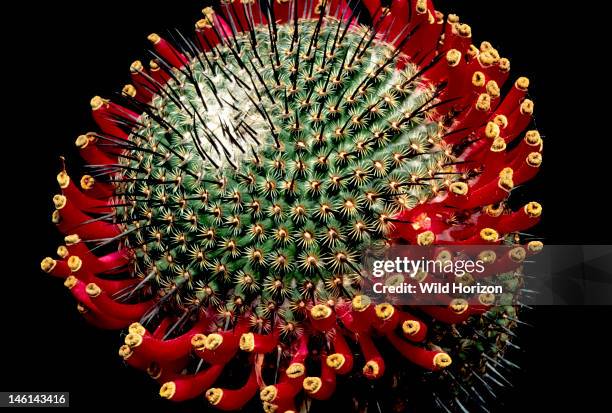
[235, 182]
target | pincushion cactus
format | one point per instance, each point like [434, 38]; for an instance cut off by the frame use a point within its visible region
[236, 181]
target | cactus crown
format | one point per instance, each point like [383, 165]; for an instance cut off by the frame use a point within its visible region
[246, 170]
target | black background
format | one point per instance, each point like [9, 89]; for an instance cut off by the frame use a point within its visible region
[60, 54]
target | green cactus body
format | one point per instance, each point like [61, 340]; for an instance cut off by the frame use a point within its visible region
[225, 213]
